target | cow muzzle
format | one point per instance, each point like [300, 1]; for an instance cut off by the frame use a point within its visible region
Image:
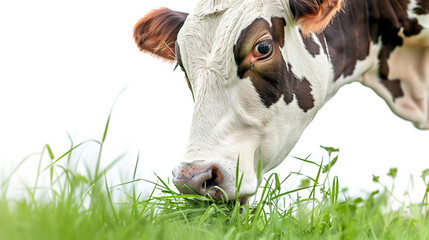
[199, 178]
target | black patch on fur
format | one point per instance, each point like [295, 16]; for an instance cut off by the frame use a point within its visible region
[312, 47]
[363, 22]
[422, 7]
[271, 77]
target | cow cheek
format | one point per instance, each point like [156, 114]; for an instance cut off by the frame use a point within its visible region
[267, 77]
[268, 94]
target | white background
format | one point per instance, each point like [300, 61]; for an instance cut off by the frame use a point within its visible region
[62, 64]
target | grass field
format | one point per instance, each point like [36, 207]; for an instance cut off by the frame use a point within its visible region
[80, 205]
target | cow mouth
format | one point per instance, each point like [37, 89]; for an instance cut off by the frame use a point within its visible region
[213, 188]
[208, 180]
[204, 181]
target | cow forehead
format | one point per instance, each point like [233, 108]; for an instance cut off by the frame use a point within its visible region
[211, 30]
[210, 7]
[228, 17]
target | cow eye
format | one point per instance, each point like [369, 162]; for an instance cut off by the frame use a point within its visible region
[264, 48]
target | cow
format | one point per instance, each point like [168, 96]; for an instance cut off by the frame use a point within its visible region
[260, 70]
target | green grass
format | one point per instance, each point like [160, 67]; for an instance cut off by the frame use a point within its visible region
[81, 205]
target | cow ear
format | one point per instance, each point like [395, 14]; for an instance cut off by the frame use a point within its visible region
[156, 33]
[314, 15]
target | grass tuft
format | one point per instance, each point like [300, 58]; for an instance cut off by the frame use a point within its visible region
[80, 205]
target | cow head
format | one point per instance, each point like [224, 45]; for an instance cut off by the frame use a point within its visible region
[256, 84]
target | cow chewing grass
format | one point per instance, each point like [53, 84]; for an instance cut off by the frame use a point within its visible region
[81, 205]
[260, 70]
[76, 204]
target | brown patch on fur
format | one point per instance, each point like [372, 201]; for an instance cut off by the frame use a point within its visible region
[422, 7]
[301, 88]
[363, 22]
[386, 23]
[278, 30]
[314, 15]
[394, 87]
[311, 46]
[348, 38]
[321, 38]
[271, 77]
[156, 33]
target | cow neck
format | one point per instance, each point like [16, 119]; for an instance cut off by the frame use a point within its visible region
[362, 24]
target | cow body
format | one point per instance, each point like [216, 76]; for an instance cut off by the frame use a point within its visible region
[260, 71]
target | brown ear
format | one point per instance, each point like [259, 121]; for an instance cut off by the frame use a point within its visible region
[156, 33]
[314, 15]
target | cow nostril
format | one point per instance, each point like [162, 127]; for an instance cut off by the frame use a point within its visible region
[216, 179]
[209, 183]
